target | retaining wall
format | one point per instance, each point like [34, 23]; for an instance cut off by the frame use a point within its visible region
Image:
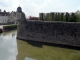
[65, 33]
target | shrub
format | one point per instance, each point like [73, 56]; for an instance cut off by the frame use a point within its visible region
[9, 27]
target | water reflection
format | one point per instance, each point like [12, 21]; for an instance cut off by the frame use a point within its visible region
[28, 50]
[27, 58]
[8, 46]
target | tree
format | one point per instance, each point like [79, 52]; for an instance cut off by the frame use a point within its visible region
[73, 18]
[62, 14]
[67, 16]
[41, 16]
[52, 16]
[77, 13]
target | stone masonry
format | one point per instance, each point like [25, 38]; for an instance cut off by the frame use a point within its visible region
[64, 33]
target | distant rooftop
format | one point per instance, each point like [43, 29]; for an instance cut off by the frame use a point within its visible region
[4, 13]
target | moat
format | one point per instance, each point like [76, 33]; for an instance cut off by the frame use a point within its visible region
[14, 49]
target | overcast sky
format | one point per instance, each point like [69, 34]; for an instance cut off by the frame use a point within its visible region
[34, 7]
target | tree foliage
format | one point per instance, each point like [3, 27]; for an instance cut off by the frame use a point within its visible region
[57, 16]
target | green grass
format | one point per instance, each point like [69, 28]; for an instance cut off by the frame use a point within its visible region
[9, 27]
[45, 52]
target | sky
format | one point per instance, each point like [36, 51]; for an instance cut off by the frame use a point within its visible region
[34, 7]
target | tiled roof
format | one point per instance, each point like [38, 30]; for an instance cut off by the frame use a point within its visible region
[4, 14]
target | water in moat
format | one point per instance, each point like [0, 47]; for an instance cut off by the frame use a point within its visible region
[15, 49]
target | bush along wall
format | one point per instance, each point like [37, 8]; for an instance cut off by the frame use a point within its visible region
[1, 30]
[9, 27]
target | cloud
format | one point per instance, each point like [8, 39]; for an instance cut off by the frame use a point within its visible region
[4, 4]
[34, 7]
[8, 47]
[78, 7]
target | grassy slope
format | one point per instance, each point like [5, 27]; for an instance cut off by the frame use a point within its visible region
[46, 52]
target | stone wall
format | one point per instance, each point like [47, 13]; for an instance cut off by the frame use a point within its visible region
[65, 33]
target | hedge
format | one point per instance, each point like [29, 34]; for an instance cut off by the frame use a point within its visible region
[9, 27]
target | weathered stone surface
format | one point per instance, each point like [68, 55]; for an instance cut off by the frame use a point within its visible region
[65, 33]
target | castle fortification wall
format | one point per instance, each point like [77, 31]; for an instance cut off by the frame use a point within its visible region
[64, 33]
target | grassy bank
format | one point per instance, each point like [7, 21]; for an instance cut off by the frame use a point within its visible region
[9, 27]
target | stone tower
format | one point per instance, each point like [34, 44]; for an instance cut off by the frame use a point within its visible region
[18, 13]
